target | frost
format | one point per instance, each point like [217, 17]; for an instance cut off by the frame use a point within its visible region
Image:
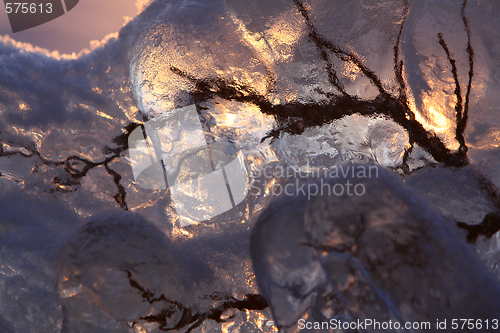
[385, 255]
[408, 85]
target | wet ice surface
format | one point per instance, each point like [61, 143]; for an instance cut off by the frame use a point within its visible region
[305, 85]
[351, 257]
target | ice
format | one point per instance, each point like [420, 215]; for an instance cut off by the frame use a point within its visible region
[385, 255]
[463, 198]
[110, 274]
[409, 85]
[287, 274]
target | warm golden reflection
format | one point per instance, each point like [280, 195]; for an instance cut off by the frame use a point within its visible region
[284, 32]
[438, 121]
[490, 140]
[273, 46]
[437, 115]
[27, 47]
[351, 71]
[104, 115]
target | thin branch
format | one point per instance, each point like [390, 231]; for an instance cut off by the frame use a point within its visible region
[458, 106]
[463, 123]
[399, 64]
[188, 316]
[323, 43]
[332, 74]
[77, 167]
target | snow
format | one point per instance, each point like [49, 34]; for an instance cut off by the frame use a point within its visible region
[309, 86]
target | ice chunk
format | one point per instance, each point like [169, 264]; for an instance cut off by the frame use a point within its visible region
[457, 194]
[117, 270]
[385, 252]
[318, 82]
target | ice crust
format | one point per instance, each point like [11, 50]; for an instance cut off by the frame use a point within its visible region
[386, 255]
[261, 81]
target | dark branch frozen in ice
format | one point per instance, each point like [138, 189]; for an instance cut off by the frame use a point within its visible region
[76, 167]
[191, 319]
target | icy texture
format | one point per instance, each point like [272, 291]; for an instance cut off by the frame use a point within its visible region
[98, 267]
[119, 272]
[309, 85]
[454, 192]
[385, 255]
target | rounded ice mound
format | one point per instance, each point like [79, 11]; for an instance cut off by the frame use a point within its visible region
[115, 273]
[384, 255]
